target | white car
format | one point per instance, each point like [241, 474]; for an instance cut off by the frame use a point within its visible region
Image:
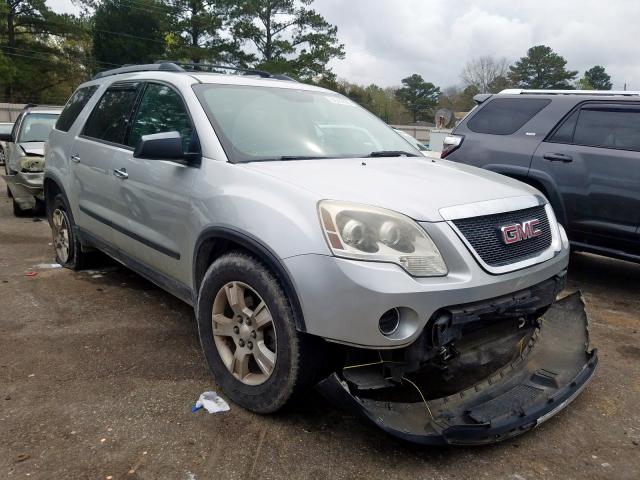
[24, 157]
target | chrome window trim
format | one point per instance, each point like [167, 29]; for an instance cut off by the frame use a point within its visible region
[501, 206]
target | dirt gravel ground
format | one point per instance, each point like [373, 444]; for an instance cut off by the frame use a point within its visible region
[99, 370]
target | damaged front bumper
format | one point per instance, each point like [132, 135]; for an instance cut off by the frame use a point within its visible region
[544, 378]
[26, 188]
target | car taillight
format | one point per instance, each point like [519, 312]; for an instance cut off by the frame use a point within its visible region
[451, 143]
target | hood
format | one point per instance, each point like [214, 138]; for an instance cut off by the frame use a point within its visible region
[417, 187]
[33, 148]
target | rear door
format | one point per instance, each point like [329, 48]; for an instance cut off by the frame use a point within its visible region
[594, 159]
[92, 155]
[152, 199]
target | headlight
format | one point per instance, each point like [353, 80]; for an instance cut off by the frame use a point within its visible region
[362, 232]
[31, 164]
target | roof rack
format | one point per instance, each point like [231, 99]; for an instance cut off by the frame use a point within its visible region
[522, 91]
[149, 67]
[212, 67]
[169, 66]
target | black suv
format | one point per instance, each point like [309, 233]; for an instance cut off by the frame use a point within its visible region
[580, 148]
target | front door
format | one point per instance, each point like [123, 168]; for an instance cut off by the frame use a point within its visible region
[152, 197]
[594, 159]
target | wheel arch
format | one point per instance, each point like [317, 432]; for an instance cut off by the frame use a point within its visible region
[52, 187]
[215, 241]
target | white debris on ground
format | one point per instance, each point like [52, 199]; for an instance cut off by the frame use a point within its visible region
[211, 402]
[43, 266]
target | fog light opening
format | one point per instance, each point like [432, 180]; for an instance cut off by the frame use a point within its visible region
[389, 321]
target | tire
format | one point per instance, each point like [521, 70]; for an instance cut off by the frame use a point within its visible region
[60, 218]
[296, 355]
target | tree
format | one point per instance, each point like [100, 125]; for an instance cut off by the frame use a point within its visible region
[541, 68]
[287, 36]
[483, 71]
[499, 83]
[197, 33]
[418, 97]
[596, 78]
[125, 31]
[41, 51]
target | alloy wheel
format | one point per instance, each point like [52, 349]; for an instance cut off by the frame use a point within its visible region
[60, 235]
[244, 333]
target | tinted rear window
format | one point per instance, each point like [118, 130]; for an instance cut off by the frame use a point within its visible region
[110, 118]
[504, 116]
[609, 128]
[74, 106]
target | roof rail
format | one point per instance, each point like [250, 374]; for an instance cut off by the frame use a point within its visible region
[211, 67]
[522, 91]
[170, 66]
[158, 66]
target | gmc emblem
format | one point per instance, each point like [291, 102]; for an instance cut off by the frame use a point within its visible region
[520, 231]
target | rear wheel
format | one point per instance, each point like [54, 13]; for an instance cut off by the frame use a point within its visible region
[69, 253]
[248, 335]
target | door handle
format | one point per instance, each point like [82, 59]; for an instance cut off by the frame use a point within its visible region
[121, 174]
[558, 157]
[75, 158]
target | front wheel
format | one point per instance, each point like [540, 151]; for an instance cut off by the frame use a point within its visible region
[248, 335]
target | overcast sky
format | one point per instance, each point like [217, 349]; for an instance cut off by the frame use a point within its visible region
[387, 40]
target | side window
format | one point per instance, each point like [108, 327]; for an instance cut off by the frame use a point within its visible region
[109, 119]
[564, 134]
[504, 116]
[608, 127]
[161, 110]
[74, 106]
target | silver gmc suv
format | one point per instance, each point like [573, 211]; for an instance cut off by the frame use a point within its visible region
[318, 247]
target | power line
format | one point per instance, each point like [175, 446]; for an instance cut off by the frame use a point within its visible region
[89, 30]
[58, 54]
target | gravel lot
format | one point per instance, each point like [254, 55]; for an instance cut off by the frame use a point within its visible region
[99, 370]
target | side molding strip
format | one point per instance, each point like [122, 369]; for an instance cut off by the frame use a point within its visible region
[129, 233]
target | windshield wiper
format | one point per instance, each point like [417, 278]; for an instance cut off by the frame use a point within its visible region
[300, 157]
[391, 153]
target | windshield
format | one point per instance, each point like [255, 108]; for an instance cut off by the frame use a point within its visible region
[36, 127]
[413, 141]
[263, 123]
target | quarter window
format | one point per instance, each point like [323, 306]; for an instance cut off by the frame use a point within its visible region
[609, 128]
[161, 110]
[110, 118]
[504, 116]
[564, 134]
[74, 106]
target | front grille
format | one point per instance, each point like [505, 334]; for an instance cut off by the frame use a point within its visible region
[484, 235]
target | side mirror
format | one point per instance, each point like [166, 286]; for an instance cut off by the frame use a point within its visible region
[6, 137]
[160, 146]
